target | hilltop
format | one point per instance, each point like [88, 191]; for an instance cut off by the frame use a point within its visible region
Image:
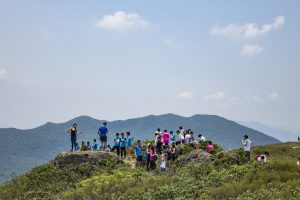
[220, 177]
[24, 149]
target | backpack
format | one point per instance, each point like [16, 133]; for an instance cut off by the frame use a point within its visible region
[155, 157]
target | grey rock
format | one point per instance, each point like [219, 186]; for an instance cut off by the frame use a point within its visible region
[76, 158]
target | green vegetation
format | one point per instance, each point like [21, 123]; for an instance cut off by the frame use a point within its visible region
[227, 176]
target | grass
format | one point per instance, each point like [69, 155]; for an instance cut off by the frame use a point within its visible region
[222, 178]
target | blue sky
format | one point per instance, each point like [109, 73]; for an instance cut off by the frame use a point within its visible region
[123, 59]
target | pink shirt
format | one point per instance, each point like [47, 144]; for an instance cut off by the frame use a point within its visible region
[151, 155]
[166, 137]
[209, 147]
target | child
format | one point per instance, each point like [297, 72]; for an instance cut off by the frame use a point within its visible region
[77, 148]
[163, 162]
[95, 145]
[83, 147]
[88, 146]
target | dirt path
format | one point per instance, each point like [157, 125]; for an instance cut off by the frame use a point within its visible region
[131, 162]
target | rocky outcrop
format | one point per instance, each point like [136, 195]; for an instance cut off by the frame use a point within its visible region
[195, 156]
[78, 157]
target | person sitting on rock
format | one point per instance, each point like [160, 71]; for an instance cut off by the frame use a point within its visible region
[95, 145]
[88, 146]
[209, 147]
[77, 148]
[83, 147]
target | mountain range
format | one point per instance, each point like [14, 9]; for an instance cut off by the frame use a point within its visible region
[23, 149]
[282, 135]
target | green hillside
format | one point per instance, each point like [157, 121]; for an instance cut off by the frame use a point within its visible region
[24, 149]
[220, 178]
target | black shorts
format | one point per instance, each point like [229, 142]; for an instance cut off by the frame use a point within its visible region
[103, 138]
[139, 158]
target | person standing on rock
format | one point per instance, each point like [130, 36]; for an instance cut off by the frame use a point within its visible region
[247, 146]
[102, 132]
[73, 133]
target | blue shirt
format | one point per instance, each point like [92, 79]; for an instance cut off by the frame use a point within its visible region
[95, 146]
[138, 151]
[117, 141]
[103, 130]
[129, 141]
[123, 142]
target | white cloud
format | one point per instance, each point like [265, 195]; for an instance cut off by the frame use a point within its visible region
[3, 74]
[121, 21]
[216, 96]
[274, 96]
[185, 95]
[251, 50]
[248, 30]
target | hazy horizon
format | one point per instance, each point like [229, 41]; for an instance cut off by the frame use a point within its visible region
[120, 60]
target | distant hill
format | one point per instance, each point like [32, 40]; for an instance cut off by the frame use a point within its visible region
[282, 135]
[23, 149]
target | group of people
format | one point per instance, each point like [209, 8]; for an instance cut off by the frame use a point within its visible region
[102, 132]
[164, 147]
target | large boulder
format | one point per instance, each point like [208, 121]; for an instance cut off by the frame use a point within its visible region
[76, 158]
[195, 156]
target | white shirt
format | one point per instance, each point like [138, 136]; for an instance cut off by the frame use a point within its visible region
[247, 144]
[262, 160]
[163, 163]
[202, 138]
